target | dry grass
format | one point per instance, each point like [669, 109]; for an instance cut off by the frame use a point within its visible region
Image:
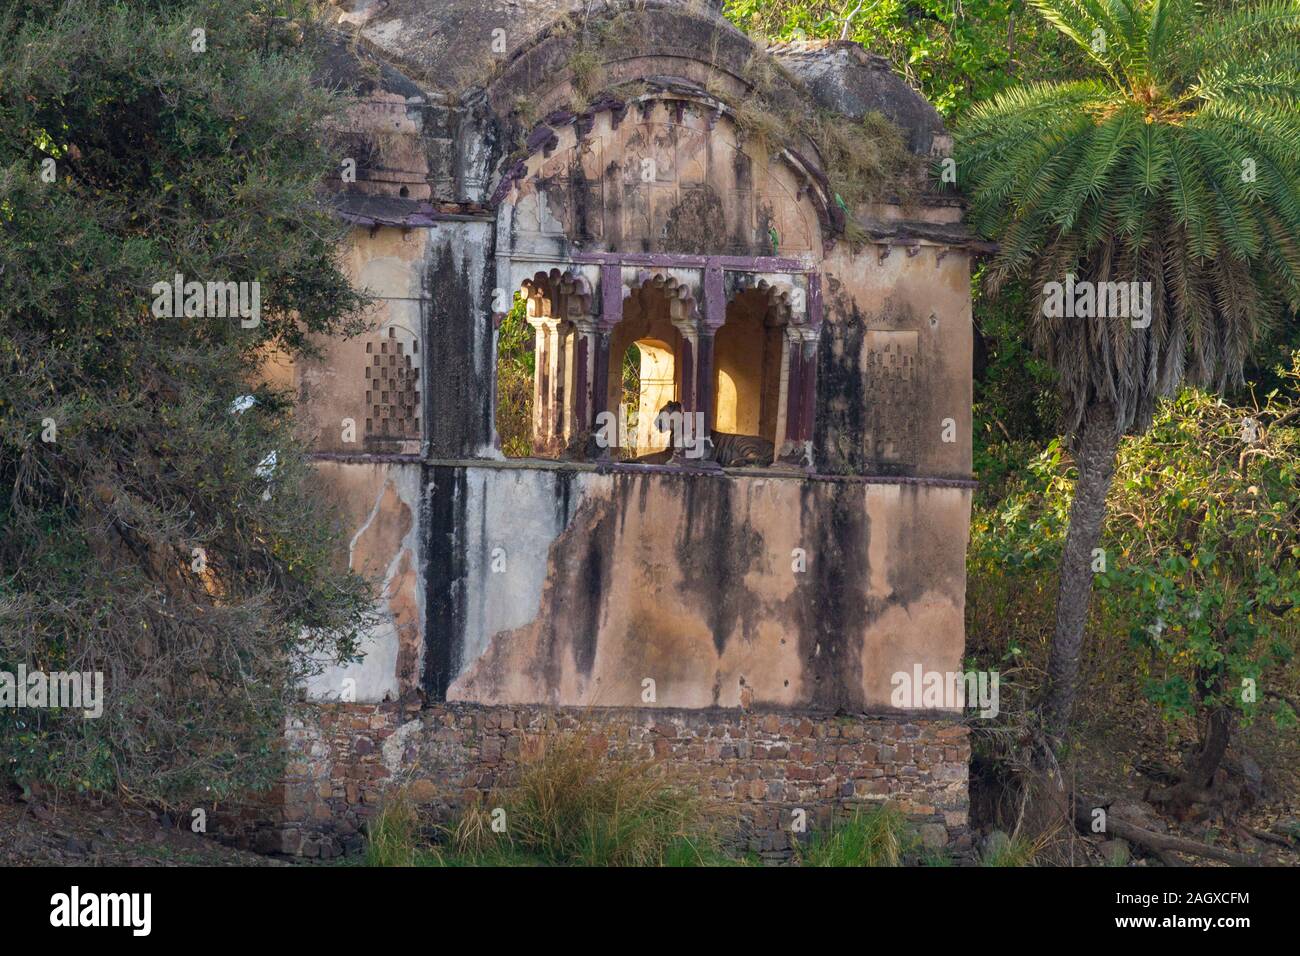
[393, 834]
[573, 804]
[588, 77]
[766, 130]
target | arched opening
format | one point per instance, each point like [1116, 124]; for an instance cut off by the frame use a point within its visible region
[727, 396]
[747, 367]
[649, 383]
[647, 374]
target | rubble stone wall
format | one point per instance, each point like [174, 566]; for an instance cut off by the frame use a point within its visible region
[759, 767]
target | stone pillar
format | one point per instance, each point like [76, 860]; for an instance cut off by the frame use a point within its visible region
[582, 418]
[611, 313]
[696, 361]
[715, 315]
[549, 383]
[801, 352]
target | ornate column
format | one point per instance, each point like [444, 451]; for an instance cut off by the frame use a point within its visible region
[801, 390]
[715, 315]
[803, 336]
[581, 402]
[572, 300]
[596, 347]
[551, 332]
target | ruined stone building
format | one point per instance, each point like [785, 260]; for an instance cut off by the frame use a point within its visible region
[661, 195]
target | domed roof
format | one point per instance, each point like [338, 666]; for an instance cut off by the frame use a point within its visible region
[450, 44]
[846, 79]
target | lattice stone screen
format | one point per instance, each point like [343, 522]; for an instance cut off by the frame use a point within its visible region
[392, 388]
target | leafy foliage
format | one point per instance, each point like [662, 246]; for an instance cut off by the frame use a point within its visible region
[151, 531]
[516, 363]
[1199, 565]
[954, 53]
[1015, 407]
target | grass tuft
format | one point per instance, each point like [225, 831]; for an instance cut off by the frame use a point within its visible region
[875, 837]
[393, 834]
[1015, 851]
[572, 804]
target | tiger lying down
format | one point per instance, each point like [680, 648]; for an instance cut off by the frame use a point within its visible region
[722, 448]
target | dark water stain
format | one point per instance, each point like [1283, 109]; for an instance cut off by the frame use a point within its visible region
[715, 552]
[581, 558]
[443, 509]
[697, 223]
[458, 376]
[830, 604]
[840, 419]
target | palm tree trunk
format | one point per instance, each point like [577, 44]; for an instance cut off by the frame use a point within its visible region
[1095, 445]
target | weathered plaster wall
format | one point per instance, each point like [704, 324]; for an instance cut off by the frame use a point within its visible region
[673, 177]
[379, 506]
[895, 363]
[605, 580]
[332, 390]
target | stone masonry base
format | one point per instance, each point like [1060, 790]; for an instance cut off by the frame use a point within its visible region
[762, 766]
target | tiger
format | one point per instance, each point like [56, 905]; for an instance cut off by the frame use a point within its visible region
[722, 448]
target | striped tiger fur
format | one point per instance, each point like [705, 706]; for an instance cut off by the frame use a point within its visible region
[723, 449]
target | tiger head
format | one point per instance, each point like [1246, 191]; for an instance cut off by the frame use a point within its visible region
[667, 415]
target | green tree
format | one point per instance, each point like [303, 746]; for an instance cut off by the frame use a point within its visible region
[158, 521]
[1200, 564]
[1174, 166]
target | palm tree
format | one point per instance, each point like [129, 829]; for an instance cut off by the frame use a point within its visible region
[1177, 165]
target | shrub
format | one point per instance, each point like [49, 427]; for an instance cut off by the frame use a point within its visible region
[515, 365]
[1199, 568]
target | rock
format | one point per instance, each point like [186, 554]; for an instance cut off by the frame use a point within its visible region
[267, 841]
[354, 844]
[76, 845]
[934, 835]
[1288, 827]
[847, 79]
[291, 842]
[995, 843]
[1253, 776]
[422, 791]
